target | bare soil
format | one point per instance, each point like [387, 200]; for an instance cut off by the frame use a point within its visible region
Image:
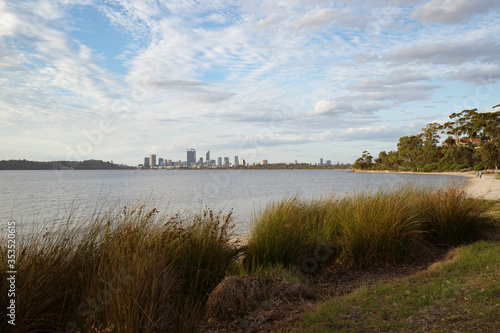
[274, 315]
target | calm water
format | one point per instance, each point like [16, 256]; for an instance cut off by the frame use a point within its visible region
[37, 196]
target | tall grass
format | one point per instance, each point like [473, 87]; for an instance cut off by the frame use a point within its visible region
[379, 226]
[125, 271]
[366, 227]
[288, 231]
[453, 218]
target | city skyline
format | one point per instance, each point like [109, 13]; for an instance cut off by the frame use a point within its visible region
[190, 161]
[286, 81]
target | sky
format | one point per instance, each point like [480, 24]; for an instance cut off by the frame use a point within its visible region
[281, 80]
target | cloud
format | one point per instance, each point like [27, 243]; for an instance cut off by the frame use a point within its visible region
[362, 58]
[339, 108]
[372, 133]
[452, 11]
[318, 18]
[480, 76]
[195, 89]
[396, 77]
[446, 53]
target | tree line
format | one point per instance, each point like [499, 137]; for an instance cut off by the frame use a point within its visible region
[472, 142]
[58, 165]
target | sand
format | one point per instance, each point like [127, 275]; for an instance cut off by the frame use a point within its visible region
[487, 187]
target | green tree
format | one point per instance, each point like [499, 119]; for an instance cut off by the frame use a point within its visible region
[490, 154]
[410, 149]
[364, 162]
[430, 137]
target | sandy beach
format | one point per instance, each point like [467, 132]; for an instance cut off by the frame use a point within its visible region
[488, 186]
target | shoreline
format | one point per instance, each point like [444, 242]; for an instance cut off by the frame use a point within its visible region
[487, 187]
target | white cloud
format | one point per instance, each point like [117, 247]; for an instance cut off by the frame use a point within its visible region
[318, 18]
[449, 53]
[452, 11]
[338, 108]
[365, 57]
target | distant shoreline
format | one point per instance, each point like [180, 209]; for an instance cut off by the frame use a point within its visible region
[61, 165]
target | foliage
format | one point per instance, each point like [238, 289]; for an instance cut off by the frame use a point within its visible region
[364, 162]
[57, 165]
[421, 152]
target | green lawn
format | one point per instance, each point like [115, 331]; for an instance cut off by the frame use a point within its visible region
[461, 294]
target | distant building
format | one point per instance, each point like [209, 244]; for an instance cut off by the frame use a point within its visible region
[152, 160]
[191, 157]
[321, 161]
[236, 161]
[226, 161]
[146, 162]
[242, 162]
[219, 161]
[264, 162]
[463, 142]
[328, 162]
[200, 161]
[207, 158]
[160, 162]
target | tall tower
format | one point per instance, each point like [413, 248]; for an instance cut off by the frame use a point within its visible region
[152, 160]
[219, 161]
[236, 161]
[146, 162]
[191, 157]
[208, 158]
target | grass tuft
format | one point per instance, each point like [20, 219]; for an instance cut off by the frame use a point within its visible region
[127, 270]
[453, 218]
[365, 228]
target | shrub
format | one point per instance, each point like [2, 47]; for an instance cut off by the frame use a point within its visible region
[453, 218]
[430, 167]
[478, 167]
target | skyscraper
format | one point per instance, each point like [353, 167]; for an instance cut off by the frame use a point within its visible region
[208, 158]
[152, 160]
[236, 161]
[219, 161]
[226, 161]
[146, 162]
[191, 157]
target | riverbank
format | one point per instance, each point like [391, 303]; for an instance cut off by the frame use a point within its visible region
[137, 270]
[486, 187]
